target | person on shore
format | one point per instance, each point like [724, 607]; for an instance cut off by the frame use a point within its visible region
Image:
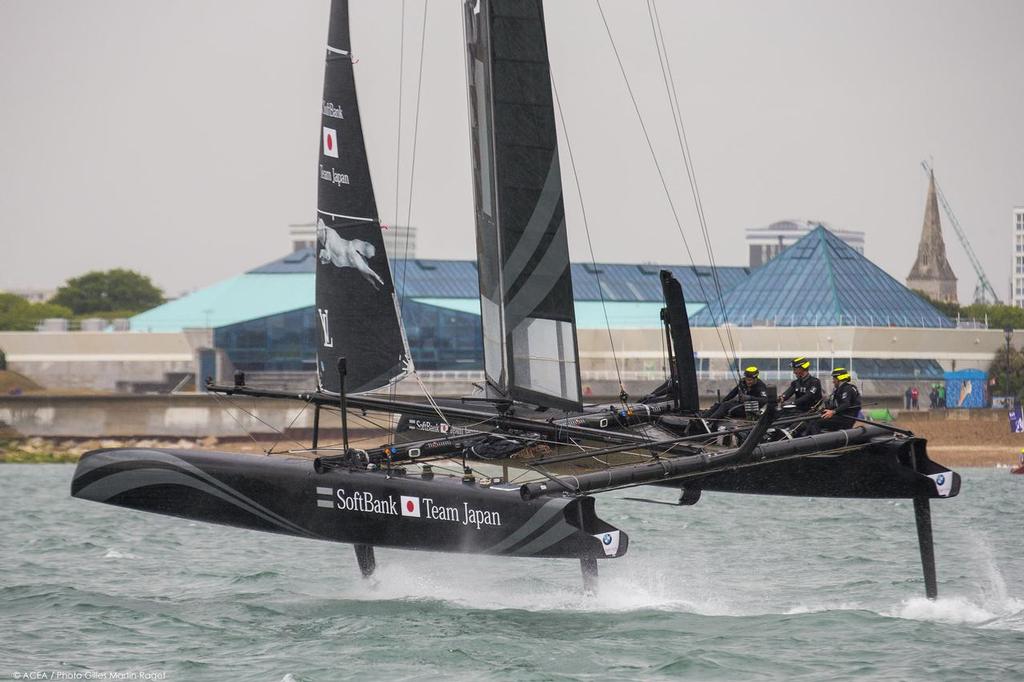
[843, 405]
[805, 390]
[914, 395]
[906, 398]
[749, 388]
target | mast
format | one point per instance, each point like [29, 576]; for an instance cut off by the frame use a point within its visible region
[356, 306]
[526, 301]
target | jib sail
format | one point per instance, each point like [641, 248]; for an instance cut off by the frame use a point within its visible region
[356, 308]
[526, 301]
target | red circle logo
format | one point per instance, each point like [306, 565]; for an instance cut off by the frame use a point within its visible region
[409, 505]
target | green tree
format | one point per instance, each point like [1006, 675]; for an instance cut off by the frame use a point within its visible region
[119, 289]
[997, 371]
[17, 314]
[999, 316]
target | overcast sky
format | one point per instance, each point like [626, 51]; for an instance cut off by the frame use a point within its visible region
[180, 138]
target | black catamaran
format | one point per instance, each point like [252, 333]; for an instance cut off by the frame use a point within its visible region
[401, 494]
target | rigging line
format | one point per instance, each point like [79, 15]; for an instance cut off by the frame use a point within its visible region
[657, 165]
[412, 163]
[524, 472]
[261, 421]
[398, 135]
[676, 109]
[398, 162]
[430, 398]
[377, 425]
[412, 178]
[691, 172]
[237, 421]
[290, 425]
[586, 228]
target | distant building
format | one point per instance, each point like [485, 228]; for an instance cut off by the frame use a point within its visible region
[932, 273]
[1017, 279]
[264, 319]
[400, 240]
[765, 243]
[33, 295]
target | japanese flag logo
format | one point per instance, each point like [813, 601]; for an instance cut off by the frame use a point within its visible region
[410, 506]
[330, 142]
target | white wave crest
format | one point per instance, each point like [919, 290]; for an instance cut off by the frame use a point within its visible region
[951, 610]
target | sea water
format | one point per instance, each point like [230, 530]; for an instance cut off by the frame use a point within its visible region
[735, 587]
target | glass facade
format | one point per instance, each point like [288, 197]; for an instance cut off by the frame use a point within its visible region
[443, 339]
[862, 368]
[278, 343]
[869, 368]
[439, 338]
[783, 366]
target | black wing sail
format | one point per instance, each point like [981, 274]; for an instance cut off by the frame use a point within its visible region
[356, 307]
[526, 300]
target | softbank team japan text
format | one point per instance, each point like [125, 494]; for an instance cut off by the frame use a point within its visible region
[424, 507]
[334, 176]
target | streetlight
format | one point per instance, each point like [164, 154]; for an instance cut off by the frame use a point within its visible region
[1008, 333]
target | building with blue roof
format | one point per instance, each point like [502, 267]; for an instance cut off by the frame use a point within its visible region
[818, 298]
[264, 321]
[820, 281]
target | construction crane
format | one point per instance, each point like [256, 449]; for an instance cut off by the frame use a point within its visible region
[983, 291]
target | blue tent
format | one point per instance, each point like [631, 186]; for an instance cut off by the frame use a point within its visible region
[966, 388]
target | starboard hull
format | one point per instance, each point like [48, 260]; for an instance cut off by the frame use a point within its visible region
[883, 469]
[363, 507]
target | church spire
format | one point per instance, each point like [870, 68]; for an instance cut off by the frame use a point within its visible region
[931, 273]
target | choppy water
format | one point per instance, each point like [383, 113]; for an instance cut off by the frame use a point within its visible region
[735, 587]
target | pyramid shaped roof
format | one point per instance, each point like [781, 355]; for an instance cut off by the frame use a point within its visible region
[817, 282]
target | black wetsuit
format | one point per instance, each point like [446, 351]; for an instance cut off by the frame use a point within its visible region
[845, 401]
[806, 393]
[740, 394]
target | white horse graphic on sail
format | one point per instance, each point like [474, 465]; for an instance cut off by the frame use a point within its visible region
[347, 253]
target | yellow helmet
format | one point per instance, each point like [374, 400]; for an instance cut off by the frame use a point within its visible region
[801, 362]
[751, 372]
[840, 374]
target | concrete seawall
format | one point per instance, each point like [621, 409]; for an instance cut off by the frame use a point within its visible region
[202, 415]
[179, 416]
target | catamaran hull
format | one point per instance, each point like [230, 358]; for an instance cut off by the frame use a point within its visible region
[890, 469]
[286, 495]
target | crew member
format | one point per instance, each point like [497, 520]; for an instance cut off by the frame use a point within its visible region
[805, 390]
[749, 388]
[843, 405]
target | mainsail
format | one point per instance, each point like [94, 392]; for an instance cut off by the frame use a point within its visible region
[356, 306]
[526, 301]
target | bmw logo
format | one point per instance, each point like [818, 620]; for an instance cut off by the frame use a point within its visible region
[940, 479]
[607, 539]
